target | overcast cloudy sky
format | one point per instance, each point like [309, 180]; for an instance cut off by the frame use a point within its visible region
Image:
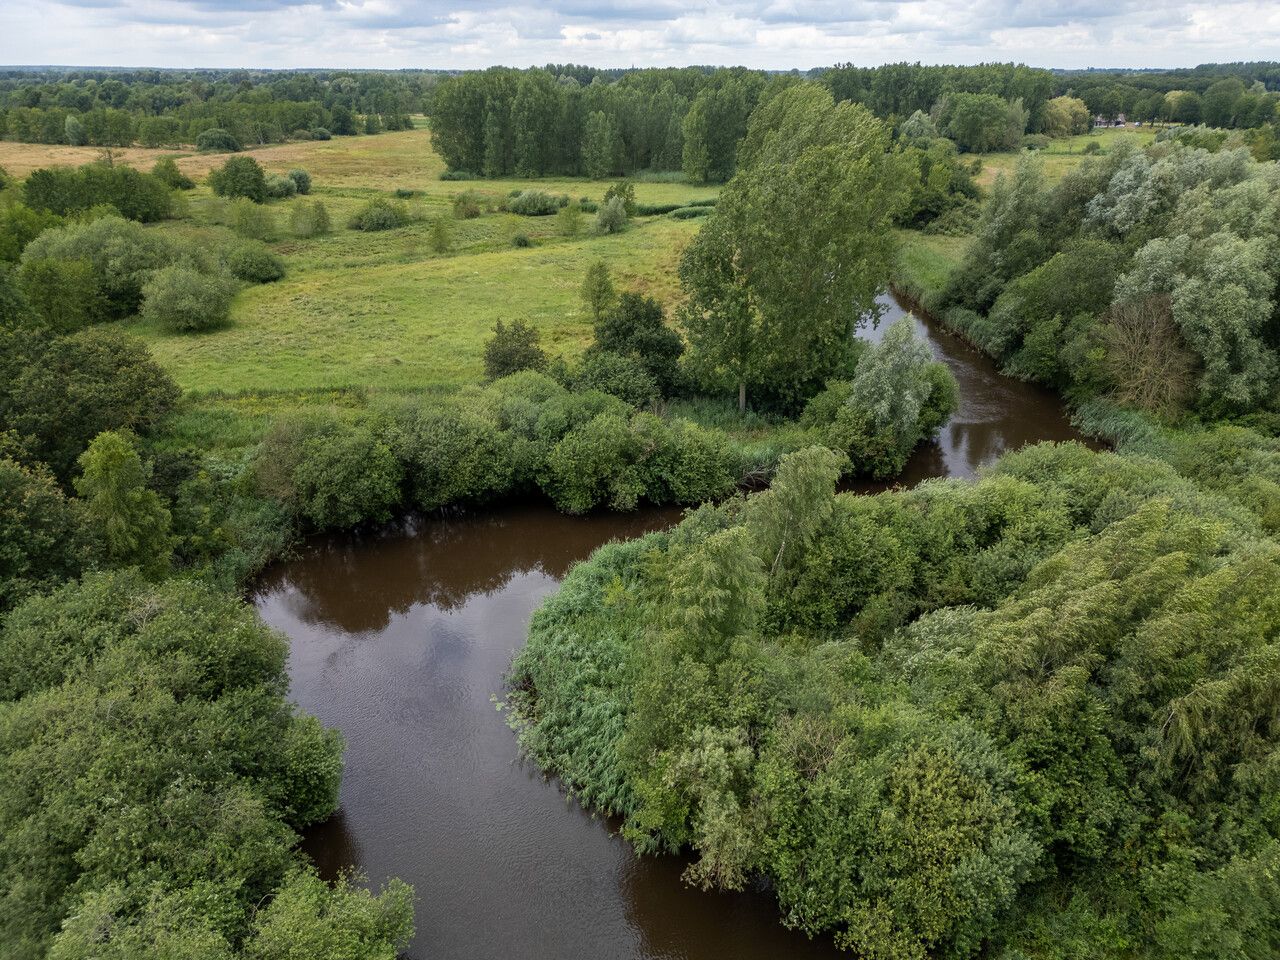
[757, 33]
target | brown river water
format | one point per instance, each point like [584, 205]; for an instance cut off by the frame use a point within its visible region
[402, 638]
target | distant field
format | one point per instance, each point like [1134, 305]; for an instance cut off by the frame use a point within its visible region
[382, 310]
[1065, 154]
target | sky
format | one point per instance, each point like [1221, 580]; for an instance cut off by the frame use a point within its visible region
[771, 34]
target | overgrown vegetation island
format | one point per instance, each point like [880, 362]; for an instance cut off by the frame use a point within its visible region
[1027, 715]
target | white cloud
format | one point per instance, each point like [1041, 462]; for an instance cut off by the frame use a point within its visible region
[759, 33]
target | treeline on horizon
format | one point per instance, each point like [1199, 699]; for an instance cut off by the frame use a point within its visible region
[163, 108]
[568, 119]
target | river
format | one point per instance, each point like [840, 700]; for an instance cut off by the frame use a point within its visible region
[401, 639]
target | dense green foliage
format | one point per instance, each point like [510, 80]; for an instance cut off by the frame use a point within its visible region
[779, 279]
[165, 108]
[240, 177]
[1149, 276]
[66, 190]
[181, 298]
[533, 122]
[191, 775]
[935, 718]
[1219, 94]
[58, 393]
[379, 214]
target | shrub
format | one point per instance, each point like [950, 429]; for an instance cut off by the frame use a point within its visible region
[612, 217]
[123, 254]
[625, 191]
[520, 240]
[533, 203]
[308, 219]
[620, 376]
[569, 220]
[467, 205]
[166, 170]
[440, 235]
[320, 133]
[512, 348]
[45, 537]
[301, 179]
[451, 455]
[596, 463]
[404, 193]
[180, 298]
[379, 214]
[281, 187]
[458, 175]
[689, 213]
[331, 472]
[635, 326]
[656, 209]
[346, 477]
[240, 177]
[1035, 141]
[68, 191]
[63, 294]
[1092, 147]
[253, 263]
[251, 220]
[588, 206]
[217, 140]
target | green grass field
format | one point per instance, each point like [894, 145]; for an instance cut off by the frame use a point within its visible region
[382, 311]
[1065, 154]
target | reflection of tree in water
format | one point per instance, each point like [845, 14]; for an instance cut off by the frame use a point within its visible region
[357, 582]
[332, 846]
[676, 920]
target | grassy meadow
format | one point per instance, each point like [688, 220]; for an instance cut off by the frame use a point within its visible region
[383, 311]
[1065, 154]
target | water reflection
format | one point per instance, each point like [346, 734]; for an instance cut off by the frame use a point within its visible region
[400, 638]
[995, 413]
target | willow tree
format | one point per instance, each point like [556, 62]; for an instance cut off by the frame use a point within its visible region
[797, 249]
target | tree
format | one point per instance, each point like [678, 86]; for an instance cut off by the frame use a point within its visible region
[344, 121]
[797, 249]
[132, 521]
[980, 122]
[636, 327]
[601, 146]
[240, 177]
[1066, 116]
[74, 131]
[63, 294]
[44, 537]
[625, 191]
[597, 290]
[440, 236]
[1220, 102]
[893, 385]
[513, 347]
[612, 217]
[1147, 359]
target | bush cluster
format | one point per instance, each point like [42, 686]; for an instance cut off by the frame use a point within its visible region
[67, 191]
[379, 214]
[522, 433]
[535, 203]
[955, 720]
